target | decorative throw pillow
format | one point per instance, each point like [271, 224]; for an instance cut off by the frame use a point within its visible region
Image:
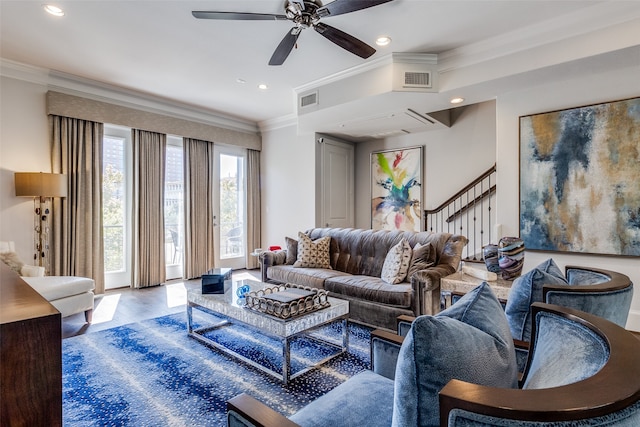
[469, 341]
[526, 290]
[396, 264]
[12, 260]
[423, 257]
[292, 250]
[313, 253]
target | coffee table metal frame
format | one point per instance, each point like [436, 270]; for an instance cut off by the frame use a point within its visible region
[229, 307]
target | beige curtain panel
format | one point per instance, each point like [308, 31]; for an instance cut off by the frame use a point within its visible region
[76, 244]
[148, 234]
[199, 255]
[253, 206]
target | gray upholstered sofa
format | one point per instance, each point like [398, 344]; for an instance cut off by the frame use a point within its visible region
[357, 257]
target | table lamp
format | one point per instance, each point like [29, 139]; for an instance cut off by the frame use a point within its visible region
[42, 187]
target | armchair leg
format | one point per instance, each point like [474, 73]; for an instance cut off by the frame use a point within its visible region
[88, 315]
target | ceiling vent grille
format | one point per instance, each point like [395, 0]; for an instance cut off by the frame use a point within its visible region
[417, 79]
[309, 99]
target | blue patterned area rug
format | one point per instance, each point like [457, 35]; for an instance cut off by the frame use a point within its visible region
[152, 374]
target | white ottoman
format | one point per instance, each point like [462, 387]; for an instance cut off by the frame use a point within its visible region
[68, 294]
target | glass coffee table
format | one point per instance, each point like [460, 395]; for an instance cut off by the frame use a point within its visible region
[232, 310]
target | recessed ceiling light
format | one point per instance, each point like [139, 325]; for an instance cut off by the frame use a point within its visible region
[457, 100]
[53, 10]
[383, 40]
[263, 86]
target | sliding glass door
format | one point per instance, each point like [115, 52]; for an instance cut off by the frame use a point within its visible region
[174, 208]
[116, 199]
[230, 207]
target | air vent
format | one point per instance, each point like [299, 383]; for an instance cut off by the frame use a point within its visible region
[309, 99]
[417, 79]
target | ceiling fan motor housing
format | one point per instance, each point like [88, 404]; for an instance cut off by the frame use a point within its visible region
[302, 13]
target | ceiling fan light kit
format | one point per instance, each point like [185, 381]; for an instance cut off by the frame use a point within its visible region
[306, 14]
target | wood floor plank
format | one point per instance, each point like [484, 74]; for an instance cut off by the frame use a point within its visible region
[121, 306]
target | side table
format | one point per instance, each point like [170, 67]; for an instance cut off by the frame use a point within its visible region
[458, 284]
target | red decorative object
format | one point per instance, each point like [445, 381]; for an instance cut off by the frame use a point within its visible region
[274, 248]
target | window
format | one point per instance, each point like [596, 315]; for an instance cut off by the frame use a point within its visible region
[230, 207]
[174, 207]
[115, 202]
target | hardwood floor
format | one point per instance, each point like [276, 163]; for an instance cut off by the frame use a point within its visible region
[125, 305]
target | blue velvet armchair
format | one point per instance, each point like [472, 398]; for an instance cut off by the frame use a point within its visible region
[582, 370]
[600, 292]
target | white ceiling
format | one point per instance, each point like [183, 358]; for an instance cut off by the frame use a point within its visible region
[157, 48]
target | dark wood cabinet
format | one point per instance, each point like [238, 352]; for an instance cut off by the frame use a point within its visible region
[30, 355]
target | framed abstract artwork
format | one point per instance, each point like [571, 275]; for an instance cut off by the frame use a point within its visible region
[580, 179]
[396, 189]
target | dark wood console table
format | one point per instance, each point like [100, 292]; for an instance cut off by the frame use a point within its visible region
[30, 355]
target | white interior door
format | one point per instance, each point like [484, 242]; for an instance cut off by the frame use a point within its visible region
[337, 184]
[230, 207]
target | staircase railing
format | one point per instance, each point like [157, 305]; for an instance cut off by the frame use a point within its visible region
[468, 212]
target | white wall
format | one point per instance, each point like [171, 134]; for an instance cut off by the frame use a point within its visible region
[590, 86]
[24, 147]
[288, 184]
[453, 157]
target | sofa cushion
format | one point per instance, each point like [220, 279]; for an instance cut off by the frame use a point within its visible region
[313, 277]
[526, 290]
[366, 399]
[292, 250]
[396, 263]
[422, 257]
[469, 341]
[372, 289]
[313, 253]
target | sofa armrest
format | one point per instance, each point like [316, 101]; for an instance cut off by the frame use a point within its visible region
[426, 286]
[32, 271]
[244, 410]
[271, 258]
[385, 347]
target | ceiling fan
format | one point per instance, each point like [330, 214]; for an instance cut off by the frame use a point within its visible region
[306, 14]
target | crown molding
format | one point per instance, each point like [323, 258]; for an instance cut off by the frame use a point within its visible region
[587, 20]
[91, 89]
[349, 72]
[278, 122]
[28, 73]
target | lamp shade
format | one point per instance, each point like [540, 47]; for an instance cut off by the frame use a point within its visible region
[40, 184]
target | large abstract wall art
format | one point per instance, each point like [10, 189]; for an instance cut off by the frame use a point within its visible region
[580, 179]
[396, 192]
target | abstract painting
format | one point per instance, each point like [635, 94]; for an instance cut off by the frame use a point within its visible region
[580, 179]
[396, 194]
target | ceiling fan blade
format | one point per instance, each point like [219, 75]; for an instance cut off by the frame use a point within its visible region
[238, 16]
[285, 47]
[344, 40]
[338, 7]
